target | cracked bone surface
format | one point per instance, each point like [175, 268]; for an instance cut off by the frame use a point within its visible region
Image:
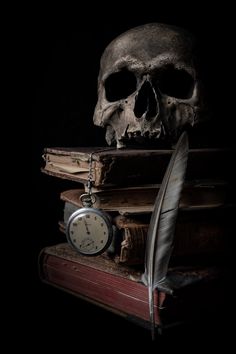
[149, 87]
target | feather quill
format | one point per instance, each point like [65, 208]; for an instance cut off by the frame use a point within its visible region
[161, 230]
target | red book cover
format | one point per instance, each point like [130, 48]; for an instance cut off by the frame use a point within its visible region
[118, 288]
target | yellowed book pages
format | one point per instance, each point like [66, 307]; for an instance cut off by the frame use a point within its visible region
[65, 168]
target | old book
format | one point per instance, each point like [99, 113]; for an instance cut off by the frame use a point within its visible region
[127, 167]
[118, 288]
[140, 199]
[199, 234]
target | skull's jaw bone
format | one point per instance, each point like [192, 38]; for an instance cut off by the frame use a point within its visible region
[135, 139]
[158, 139]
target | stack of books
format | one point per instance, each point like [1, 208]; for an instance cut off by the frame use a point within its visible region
[125, 184]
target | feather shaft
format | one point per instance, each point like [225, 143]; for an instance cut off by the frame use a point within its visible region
[161, 230]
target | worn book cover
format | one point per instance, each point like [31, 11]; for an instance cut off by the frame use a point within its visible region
[127, 167]
[201, 194]
[118, 288]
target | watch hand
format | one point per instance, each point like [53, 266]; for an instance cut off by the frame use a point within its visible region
[86, 226]
[87, 244]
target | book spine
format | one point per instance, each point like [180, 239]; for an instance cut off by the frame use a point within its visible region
[194, 236]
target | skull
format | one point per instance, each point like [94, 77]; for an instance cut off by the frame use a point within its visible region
[148, 86]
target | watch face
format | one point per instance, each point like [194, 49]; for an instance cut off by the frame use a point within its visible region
[89, 231]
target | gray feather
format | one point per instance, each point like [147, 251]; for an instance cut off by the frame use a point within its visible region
[161, 231]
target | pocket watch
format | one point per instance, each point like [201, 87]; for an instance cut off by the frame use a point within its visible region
[89, 231]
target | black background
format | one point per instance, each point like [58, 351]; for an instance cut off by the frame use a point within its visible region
[65, 64]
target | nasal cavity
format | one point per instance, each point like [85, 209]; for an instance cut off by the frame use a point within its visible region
[146, 102]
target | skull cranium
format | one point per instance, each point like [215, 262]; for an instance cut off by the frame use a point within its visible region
[148, 85]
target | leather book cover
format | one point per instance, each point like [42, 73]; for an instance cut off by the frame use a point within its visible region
[118, 288]
[124, 167]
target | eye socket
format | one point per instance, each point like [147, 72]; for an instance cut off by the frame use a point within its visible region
[120, 85]
[175, 83]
